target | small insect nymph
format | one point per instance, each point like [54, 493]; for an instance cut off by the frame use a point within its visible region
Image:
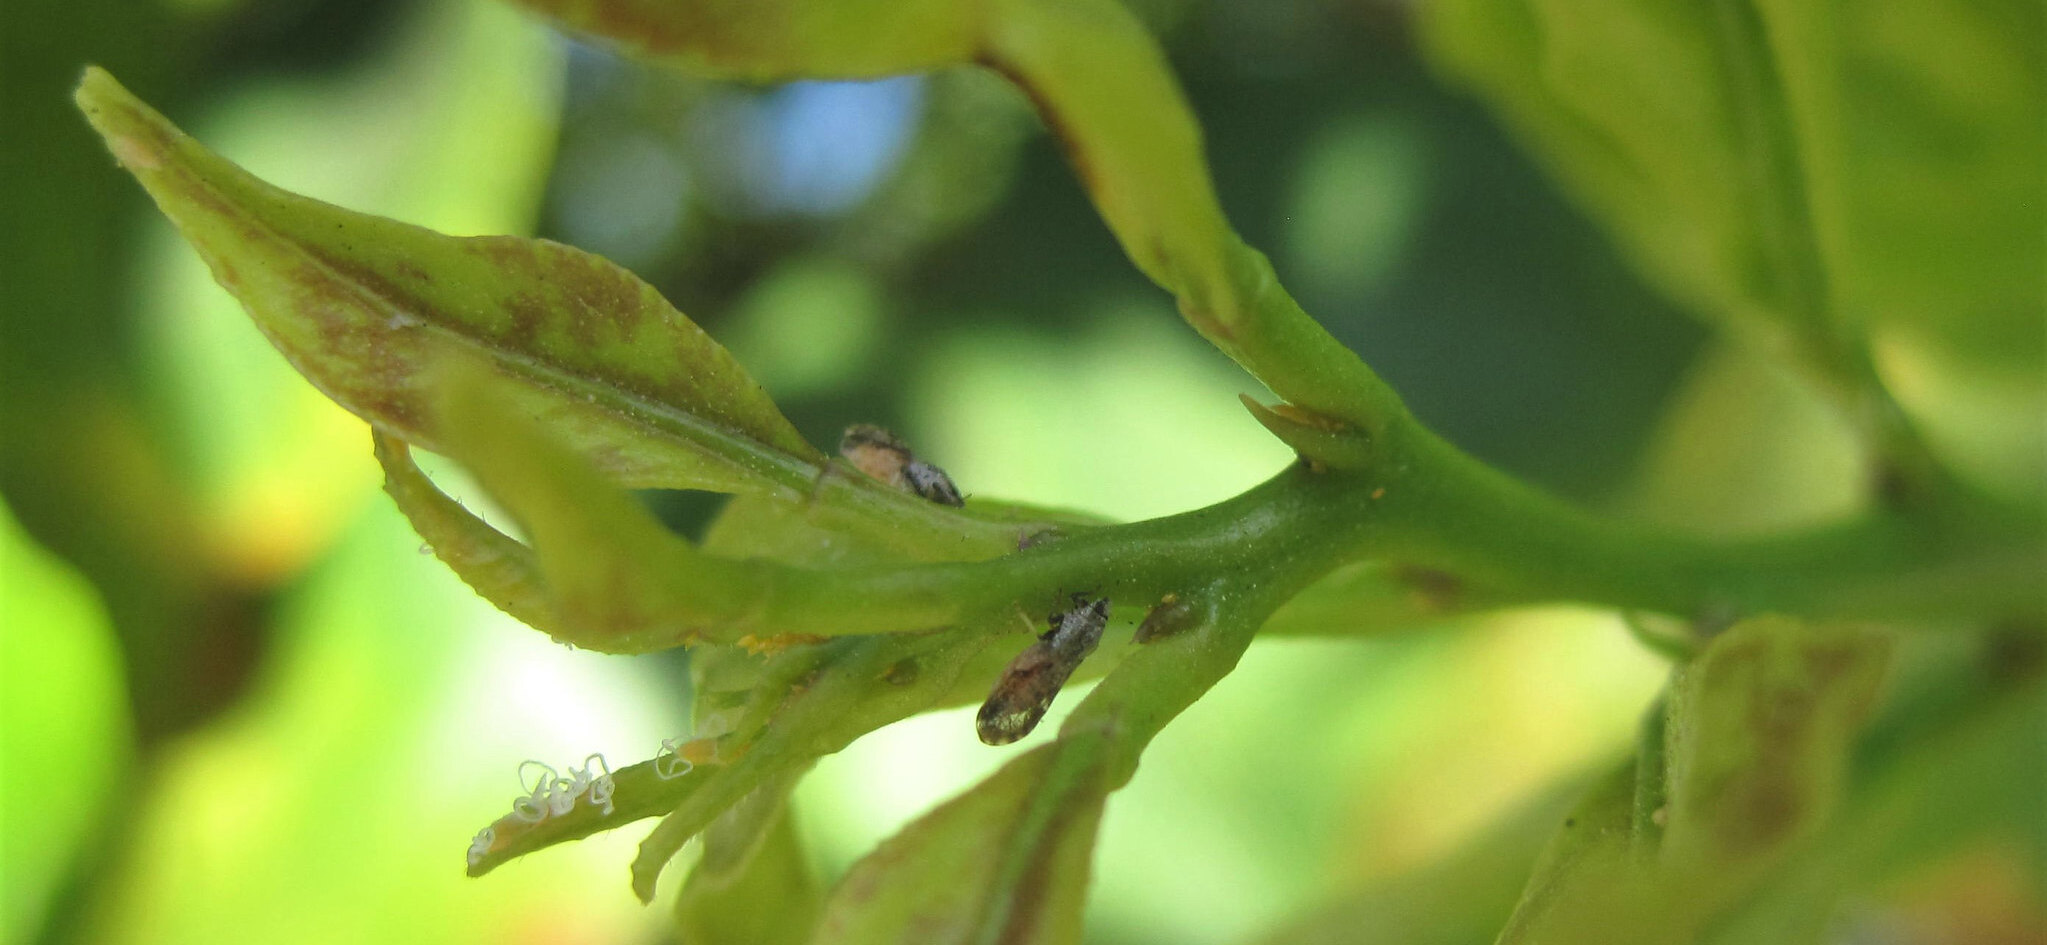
[480, 846]
[553, 796]
[885, 456]
[1034, 678]
[669, 763]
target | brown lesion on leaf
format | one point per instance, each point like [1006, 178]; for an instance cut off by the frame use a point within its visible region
[349, 272]
[1794, 703]
[600, 302]
[525, 314]
[504, 252]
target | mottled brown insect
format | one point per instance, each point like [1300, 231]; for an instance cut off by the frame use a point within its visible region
[885, 456]
[1035, 677]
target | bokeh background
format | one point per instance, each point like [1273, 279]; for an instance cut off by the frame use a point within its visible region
[239, 704]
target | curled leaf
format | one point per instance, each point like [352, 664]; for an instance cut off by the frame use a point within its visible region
[498, 568]
[611, 578]
[1759, 731]
[1753, 763]
[616, 579]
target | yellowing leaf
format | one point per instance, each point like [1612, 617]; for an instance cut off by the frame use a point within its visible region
[364, 307]
[1100, 83]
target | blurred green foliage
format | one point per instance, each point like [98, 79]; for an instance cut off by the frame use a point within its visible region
[237, 706]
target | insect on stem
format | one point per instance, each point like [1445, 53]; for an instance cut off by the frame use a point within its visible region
[1032, 680]
[884, 456]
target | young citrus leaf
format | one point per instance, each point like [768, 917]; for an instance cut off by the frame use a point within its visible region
[618, 582]
[640, 792]
[808, 702]
[1101, 84]
[363, 305]
[766, 40]
[1104, 87]
[1008, 860]
[1005, 862]
[1589, 873]
[753, 885]
[1930, 208]
[498, 568]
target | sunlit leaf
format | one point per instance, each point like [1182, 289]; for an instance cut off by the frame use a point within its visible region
[363, 306]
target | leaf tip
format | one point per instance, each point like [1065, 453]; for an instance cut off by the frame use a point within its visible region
[131, 129]
[644, 877]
